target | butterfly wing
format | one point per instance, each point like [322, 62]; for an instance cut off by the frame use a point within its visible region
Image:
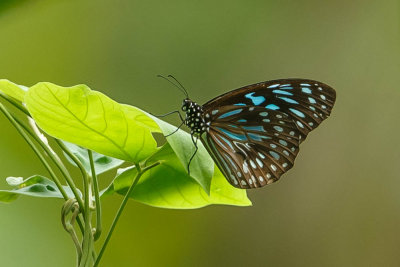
[307, 102]
[255, 131]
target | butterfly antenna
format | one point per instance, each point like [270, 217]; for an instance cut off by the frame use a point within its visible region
[187, 95]
[180, 88]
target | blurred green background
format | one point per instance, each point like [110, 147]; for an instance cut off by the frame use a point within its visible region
[339, 206]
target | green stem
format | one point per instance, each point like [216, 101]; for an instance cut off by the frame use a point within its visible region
[15, 103]
[58, 163]
[87, 243]
[55, 159]
[140, 172]
[35, 149]
[96, 197]
[71, 206]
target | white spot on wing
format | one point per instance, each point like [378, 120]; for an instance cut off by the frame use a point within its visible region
[259, 162]
[253, 165]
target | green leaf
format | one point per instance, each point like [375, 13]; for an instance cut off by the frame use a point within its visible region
[202, 165]
[101, 163]
[168, 186]
[13, 90]
[92, 120]
[34, 186]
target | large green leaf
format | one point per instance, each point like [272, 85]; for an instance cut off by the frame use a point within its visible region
[34, 186]
[92, 120]
[202, 165]
[101, 163]
[11, 89]
[169, 186]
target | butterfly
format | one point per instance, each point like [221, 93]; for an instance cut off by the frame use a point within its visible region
[253, 133]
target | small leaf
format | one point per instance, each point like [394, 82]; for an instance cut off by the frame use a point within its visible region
[34, 186]
[202, 165]
[14, 181]
[92, 120]
[101, 163]
[168, 186]
[13, 90]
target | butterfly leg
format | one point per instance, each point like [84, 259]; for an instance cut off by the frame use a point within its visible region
[195, 151]
[175, 130]
[169, 113]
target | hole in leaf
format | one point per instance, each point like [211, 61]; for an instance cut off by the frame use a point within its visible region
[37, 188]
[160, 139]
[103, 160]
[50, 188]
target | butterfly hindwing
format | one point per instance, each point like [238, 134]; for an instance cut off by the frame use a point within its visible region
[252, 147]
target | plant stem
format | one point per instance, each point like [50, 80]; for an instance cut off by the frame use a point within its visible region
[15, 103]
[35, 149]
[55, 159]
[87, 243]
[59, 165]
[71, 206]
[140, 172]
[96, 197]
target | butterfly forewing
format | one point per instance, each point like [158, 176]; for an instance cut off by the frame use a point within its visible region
[307, 102]
[255, 131]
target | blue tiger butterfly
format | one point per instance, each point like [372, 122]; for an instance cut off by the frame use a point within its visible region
[253, 133]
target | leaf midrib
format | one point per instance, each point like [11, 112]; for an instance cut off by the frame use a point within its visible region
[85, 125]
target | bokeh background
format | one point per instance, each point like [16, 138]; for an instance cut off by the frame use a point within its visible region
[339, 206]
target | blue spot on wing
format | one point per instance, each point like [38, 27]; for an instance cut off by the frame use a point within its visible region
[306, 90]
[240, 104]
[289, 100]
[281, 92]
[254, 128]
[298, 113]
[275, 155]
[272, 106]
[240, 137]
[257, 137]
[257, 100]
[242, 120]
[219, 142]
[226, 141]
[230, 113]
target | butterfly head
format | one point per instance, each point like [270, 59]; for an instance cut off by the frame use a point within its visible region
[186, 104]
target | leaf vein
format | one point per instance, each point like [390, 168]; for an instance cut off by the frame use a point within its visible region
[87, 126]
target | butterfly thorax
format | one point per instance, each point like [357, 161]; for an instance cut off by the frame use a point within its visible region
[195, 118]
